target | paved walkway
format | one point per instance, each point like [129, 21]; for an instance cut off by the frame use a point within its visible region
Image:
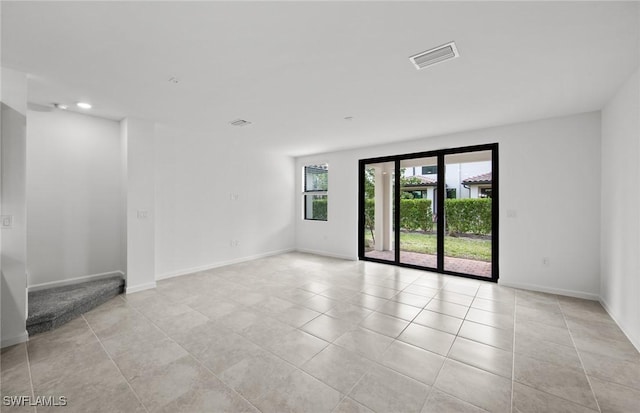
[480, 268]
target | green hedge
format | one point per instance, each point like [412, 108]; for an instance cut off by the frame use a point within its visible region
[468, 215]
[415, 214]
[319, 209]
[463, 215]
[369, 213]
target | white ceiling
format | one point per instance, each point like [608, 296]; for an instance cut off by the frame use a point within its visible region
[296, 69]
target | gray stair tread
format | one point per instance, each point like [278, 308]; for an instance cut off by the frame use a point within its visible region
[52, 303]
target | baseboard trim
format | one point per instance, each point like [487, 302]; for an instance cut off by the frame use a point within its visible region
[71, 281]
[607, 308]
[327, 254]
[558, 291]
[22, 338]
[140, 287]
[221, 264]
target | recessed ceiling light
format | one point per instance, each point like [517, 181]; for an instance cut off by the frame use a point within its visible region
[240, 122]
[61, 106]
[436, 55]
[83, 105]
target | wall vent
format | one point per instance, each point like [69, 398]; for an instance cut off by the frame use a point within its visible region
[240, 122]
[436, 55]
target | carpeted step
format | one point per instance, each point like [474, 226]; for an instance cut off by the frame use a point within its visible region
[52, 307]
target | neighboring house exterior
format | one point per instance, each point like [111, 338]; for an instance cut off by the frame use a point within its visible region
[479, 186]
[456, 174]
[424, 189]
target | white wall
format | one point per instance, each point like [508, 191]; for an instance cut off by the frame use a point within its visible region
[138, 137]
[549, 176]
[13, 290]
[620, 289]
[212, 191]
[74, 194]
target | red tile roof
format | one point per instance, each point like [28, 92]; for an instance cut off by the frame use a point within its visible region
[424, 181]
[479, 179]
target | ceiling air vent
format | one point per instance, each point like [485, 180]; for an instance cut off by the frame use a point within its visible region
[435, 55]
[240, 122]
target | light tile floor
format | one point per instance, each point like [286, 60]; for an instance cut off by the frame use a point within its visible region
[298, 332]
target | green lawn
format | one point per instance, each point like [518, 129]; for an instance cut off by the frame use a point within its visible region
[458, 247]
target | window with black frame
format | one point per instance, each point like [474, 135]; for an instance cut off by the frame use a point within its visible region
[315, 195]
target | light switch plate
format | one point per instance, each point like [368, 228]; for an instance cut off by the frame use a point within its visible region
[143, 214]
[6, 221]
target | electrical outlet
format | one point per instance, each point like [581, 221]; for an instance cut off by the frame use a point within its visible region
[143, 214]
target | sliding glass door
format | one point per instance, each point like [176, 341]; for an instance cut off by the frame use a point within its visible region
[434, 210]
[468, 218]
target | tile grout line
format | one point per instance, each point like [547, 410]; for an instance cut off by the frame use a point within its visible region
[446, 357]
[196, 358]
[260, 346]
[456, 361]
[564, 318]
[376, 363]
[439, 290]
[403, 330]
[114, 363]
[247, 338]
[513, 349]
[33, 394]
[574, 348]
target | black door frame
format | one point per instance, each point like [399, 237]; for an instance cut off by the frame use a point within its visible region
[441, 195]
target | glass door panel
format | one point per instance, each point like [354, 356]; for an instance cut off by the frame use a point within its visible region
[468, 213]
[379, 198]
[418, 211]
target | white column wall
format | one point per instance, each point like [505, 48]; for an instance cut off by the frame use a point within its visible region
[13, 286]
[138, 136]
[620, 221]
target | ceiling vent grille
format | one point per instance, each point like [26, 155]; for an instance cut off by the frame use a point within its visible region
[436, 55]
[240, 122]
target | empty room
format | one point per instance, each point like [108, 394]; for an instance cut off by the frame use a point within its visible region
[311, 206]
